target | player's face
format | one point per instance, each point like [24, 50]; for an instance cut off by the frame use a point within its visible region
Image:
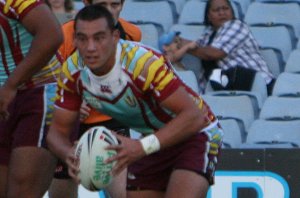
[96, 43]
[114, 6]
[219, 13]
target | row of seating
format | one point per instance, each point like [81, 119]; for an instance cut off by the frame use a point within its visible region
[275, 124]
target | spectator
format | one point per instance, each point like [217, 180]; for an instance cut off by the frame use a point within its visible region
[30, 35]
[63, 9]
[229, 45]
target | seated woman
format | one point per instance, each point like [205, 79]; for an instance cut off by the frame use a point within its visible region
[228, 44]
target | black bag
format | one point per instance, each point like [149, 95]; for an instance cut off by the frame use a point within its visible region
[239, 78]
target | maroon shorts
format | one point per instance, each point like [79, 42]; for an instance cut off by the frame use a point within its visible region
[30, 116]
[153, 172]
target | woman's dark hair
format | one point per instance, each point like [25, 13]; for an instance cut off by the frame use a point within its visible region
[208, 5]
[93, 12]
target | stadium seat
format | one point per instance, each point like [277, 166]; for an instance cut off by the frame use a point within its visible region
[150, 34]
[298, 44]
[239, 108]
[232, 133]
[191, 32]
[269, 37]
[193, 63]
[257, 94]
[274, 132]
[270, 14]
[156, 12]
[293, 62]
[273, 61]
[287, 84]
[243, 4]
[280, 108]
[192, 12]
[189, 78]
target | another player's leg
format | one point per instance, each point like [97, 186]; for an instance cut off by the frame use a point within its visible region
[3, 180]
[117, 189]
[184, 183]
[30, 172]
[31, 166]
[62, 188]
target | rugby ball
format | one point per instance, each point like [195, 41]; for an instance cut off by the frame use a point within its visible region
[94, 174]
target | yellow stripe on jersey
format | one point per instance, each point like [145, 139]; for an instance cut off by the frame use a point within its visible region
[66, 72]
[62, 85]
[7, 5]
[155, 65]
[74, 58]
[24, 5]
[165, 81]
[131, 55]
[140, 63]
[160, 76]
[124, 46]
[52, 64]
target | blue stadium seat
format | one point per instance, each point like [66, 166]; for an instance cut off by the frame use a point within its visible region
[269, 37]
[239, 108]
[194, 64]
[272, 132]
[192, 13]
[232, 133]
[270, 14]
[293, 62]
[273, 61]
[150, 34]
[191, 32]
[156, 12]
[287, 84]
[280, 108]
[257, 94]
[189, 78]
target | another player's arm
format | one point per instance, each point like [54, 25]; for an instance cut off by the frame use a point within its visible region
[58, 137]
[47, 38]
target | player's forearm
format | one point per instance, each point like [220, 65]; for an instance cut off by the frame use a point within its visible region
[58, 144]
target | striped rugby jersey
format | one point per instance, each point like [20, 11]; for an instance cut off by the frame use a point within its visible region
[124, 93]
[15, 43]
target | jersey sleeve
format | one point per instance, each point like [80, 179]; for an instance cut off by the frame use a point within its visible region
[69, 89]
[17, 9]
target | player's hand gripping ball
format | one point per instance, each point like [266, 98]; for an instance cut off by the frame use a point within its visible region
[94, 173]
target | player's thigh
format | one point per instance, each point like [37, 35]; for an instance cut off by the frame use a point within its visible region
[117, 189]
[3, 180]
[30, 169]
[185, 183]
[63, 188]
